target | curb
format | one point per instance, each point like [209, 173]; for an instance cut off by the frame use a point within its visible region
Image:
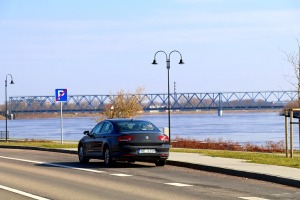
[220, 170]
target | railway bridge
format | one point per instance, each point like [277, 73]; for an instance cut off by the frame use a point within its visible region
[263, 100]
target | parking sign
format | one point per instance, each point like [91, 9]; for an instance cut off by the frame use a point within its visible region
[61, 95]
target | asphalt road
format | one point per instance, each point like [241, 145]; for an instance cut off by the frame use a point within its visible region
[29, 174]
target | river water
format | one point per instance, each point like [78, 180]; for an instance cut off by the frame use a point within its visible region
[256, 128]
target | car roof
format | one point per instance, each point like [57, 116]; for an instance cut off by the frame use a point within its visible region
[124, 120]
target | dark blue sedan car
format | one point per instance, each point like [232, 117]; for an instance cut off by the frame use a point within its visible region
[124, 140]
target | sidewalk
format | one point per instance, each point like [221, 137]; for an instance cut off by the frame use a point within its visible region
[235, 167]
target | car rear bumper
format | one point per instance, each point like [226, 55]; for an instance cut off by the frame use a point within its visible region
[134, 153]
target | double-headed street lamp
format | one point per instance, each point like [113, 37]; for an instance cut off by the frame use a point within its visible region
[168, 69]
[6, 110]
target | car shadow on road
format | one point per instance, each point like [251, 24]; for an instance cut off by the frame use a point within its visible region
[97, 165]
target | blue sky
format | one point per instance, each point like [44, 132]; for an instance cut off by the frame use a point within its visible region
[101, 47]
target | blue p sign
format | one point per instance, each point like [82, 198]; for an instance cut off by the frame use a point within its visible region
[61, 95]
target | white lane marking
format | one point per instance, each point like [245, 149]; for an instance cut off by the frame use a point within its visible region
[52, 164]
[22, 193]
[122, 175]
[178, 184]
[82, 169]
[18, 159]
[252, 198]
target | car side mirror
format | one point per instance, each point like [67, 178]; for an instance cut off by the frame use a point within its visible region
[89, 134]
[86, 132]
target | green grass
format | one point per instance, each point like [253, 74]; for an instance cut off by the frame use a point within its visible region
[40, 143]
[252, 157]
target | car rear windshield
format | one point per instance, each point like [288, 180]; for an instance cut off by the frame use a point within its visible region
[125, 126]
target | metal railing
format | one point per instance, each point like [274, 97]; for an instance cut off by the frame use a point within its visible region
[3, 134]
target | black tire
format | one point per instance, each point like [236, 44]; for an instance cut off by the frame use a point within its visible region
[107, 157]
[81, 155]
[160, 163]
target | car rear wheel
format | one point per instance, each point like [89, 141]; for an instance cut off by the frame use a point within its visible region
[107, 157]
[160, 163]
[81, 155]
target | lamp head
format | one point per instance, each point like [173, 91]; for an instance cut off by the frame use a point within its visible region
[154, 62]
[181, 62]
[11, 79]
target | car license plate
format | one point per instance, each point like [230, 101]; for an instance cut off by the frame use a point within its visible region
[147, 151]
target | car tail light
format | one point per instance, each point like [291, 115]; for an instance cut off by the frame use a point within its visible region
[163, 138]
[125, 138]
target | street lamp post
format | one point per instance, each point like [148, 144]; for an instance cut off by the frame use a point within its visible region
[168, 69]
[6, 110]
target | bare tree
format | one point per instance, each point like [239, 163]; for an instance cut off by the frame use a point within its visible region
[294, 59]
[124, 105]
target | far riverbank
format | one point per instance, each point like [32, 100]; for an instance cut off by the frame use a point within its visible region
[99, 115]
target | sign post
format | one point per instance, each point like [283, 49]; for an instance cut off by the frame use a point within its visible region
[62, 96]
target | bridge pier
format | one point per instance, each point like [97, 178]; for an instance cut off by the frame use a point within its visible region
[11, 116]
[220, 112]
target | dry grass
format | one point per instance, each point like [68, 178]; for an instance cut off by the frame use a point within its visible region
[220, 144]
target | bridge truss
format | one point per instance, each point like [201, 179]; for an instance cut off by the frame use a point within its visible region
[158, 102]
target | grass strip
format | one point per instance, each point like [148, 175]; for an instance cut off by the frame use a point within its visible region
[40, 143]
